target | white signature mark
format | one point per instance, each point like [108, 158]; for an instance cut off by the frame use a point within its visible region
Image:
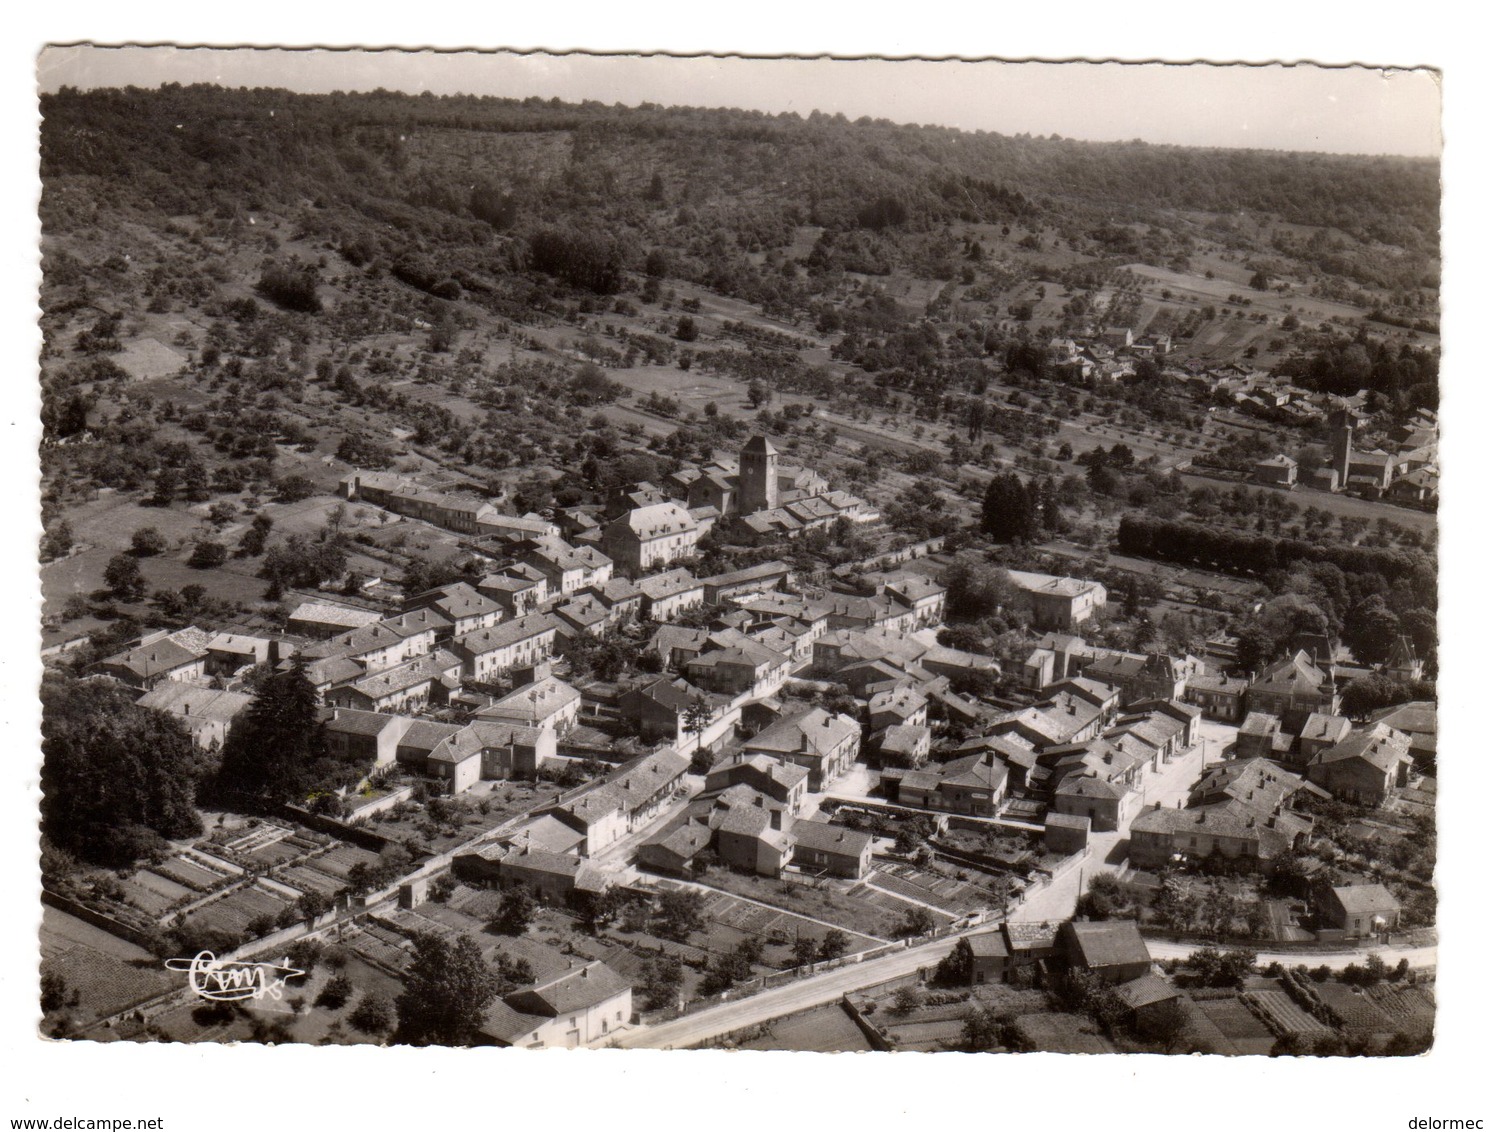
[231, 980]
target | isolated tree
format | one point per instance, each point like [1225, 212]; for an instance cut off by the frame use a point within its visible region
[147, 541]
[681, 911]
[833, 945]
[208, 554]
[373, 1015]
[662, 977]
[982, 1029]
[805, 950]
[517, 912]
[758, 394]
[447, 989]
[122, 576]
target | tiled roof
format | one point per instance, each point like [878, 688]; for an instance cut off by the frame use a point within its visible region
[1109, 943]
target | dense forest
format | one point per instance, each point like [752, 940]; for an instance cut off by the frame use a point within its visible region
[712, 185]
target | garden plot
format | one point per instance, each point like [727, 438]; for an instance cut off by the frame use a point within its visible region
[186, 872]
[105, 984]
[308, 879]
[1408, 1008]
[953, 896]
[235, 911]
[825, 1029]
[340, 861]
[1235, 1021]
[1355, 1010]
[1283, 1016]
[772, 926]
[154, 894]
[381, 946]
[928, 1036]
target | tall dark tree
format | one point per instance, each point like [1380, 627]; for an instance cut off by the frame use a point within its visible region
[446, 992]
[278, 747]
[1008, 513]
[115, 777]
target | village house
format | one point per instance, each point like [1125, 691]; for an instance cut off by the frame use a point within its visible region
[1365, 767]
[1107, 805]
[489, 653]
[749, 834]
[598, 814]
[906, 745]
[566, 568]
[821, 848]
[1295, 682]
[403, 688]
[320, 619]
[972, 784]
[460, 604]
[520, 589]
[1417, 719]
[553, 877]
[898, 705]
[762, 578]
[1319, 732]
[1113, 951]
[582, 616]
[823, 743]
[455, 510]
[688, 718]
[783, 782]
[516, 526]
[422, 629]
[645, 785]
[1221, 697]
[365, 737]
[543, 702]
[1059, 603]
[675, 852]
[652, 536]
[1359, 910]
[207, 714]
[1278, 471]
[160, 656]
[743, 667]
[665, 596]
[622, 599]
[1152, 676]
[229, 654]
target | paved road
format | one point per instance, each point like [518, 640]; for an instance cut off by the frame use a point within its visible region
[815, 990]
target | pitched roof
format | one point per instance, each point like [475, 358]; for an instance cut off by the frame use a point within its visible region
[823, 837]
[1380, 745]
[324, 613]
[1109, 943]
[504, 635]
[1365, 898]
[816, 730]
[670, 583]
[191, 703]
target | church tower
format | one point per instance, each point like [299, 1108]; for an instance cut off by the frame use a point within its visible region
[759, 476]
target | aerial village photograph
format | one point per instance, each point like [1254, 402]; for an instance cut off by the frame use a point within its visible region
[589, 571]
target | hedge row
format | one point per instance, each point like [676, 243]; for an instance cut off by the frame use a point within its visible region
[1216, 548]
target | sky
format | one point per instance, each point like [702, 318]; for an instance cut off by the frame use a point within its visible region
[1302, 107]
